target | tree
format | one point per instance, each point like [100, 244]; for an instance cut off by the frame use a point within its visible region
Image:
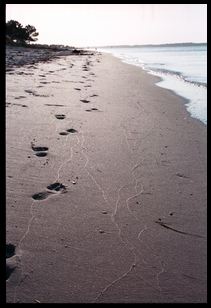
[14, 30]
[31, 33]
[16, 33]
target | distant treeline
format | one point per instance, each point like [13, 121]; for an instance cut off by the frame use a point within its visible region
[17, 35]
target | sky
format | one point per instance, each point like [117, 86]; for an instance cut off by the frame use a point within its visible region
[89, 25]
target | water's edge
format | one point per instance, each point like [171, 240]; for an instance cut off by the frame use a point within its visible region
[168, 82]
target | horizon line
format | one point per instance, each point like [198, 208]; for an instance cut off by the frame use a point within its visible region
[148, 45]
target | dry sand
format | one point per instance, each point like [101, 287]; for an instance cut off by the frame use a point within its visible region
[126, 221]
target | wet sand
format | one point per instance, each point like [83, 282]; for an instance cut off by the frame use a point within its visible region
[105, 186]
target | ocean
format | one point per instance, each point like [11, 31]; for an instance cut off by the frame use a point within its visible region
[182, 68]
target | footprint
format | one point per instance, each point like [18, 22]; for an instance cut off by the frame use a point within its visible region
[91, 109]
[41, 195]
[93, 95]
[19, 105]
[60, 116]
[40, 151]
[36, 94]
[39, 148]
[54, 105]
[84, 101]
[77, 89]
[21, 96]
[63, 133]
[29, 91]
[57, 187]
[10, 250]
[71, 130]
[181, 175]
[41, 154]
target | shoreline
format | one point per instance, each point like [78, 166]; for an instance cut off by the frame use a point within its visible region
[168, 82]
[106, 186]
[185, 100]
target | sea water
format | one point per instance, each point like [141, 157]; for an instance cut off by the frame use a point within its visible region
[182, 68]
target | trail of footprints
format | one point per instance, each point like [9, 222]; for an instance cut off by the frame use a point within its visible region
[54, 188]
[50, 189]
[41, 151]
[58, 188]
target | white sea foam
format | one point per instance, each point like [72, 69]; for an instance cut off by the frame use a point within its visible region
[183, 69]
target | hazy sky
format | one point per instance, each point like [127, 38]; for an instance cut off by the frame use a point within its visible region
[83, 25]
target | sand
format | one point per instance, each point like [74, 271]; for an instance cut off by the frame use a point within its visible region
[105, 186]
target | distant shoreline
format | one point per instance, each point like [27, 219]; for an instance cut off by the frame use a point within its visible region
[185, 80]
[152, 45]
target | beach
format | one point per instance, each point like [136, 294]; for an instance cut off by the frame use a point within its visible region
[106, 189]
